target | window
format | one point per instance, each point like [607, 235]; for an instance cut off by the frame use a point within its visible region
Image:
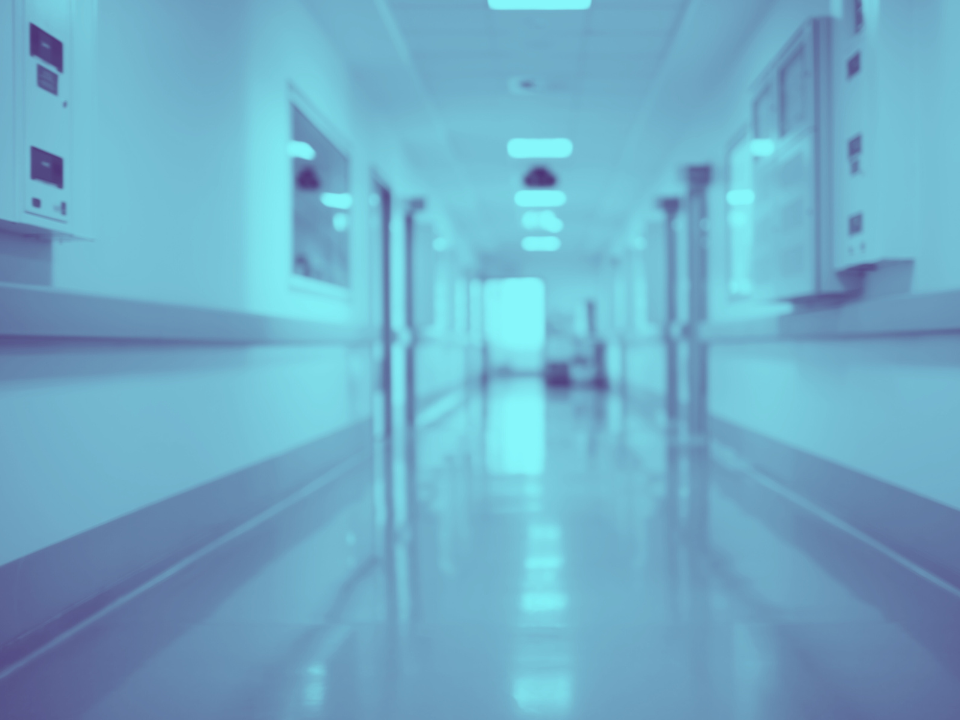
[321, 205]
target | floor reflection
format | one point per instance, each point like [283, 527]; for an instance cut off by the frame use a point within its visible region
[541, 554]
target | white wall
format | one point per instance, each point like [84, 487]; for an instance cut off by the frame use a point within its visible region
[194, 206]
[91, 433]
[194, 197]
[883, 407]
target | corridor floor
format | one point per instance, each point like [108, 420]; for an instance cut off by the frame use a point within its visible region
[544, 554]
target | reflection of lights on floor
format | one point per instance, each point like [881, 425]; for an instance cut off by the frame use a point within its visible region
[315, 689]
[544, 562]
[516, 426]
[543, 601]
[544, 692]
[543, 532]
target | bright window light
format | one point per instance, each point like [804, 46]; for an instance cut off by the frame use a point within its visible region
[540, 148]
[540, 243]
[301, 150]
[540, 198]
[743, 196]
[337, 201]
[539, 4]
[762, 147]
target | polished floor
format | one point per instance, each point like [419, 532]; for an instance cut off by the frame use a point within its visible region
[542, 554]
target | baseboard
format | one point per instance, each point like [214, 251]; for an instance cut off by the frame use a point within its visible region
[52, 589]
[923, 531]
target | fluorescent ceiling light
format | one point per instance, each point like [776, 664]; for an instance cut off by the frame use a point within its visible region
[545, 220]
[539, 4]
[743, 196]
[540, 148]
[762, 147]
[337, 201]
[540, 198]
[300, 149]
[540, 243]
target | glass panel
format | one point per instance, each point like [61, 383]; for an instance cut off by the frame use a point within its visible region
[321, 205]
[739, 210]
[765, 114]
[794, 95]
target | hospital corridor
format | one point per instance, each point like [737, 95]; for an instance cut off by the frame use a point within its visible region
[479, 360]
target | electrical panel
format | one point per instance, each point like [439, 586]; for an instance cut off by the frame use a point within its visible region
[44, 151]
[793, 216]
[876, 159]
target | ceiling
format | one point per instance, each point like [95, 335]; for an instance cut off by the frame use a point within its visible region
[441, 70]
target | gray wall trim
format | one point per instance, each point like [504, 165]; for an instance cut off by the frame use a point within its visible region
[650, 337]
[934, 313]
[36, 312]
[429, 337]
[921, 530]
[48, 591]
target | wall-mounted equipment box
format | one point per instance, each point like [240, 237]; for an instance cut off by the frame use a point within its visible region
[46, 116]
[792, 145]
[875, 141]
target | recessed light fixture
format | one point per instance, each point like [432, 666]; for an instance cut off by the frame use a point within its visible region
[301, 150]
[524, 85]
[539, 4]
[337, 201]
[540, 148]
[540, 243]
[540, 198]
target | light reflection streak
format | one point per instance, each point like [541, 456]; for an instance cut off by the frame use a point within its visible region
[543, 681]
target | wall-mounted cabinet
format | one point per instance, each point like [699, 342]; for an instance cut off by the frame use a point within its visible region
[47, 103]
[875, 144]
[792, 145]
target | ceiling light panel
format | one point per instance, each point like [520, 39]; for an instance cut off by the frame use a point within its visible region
[539, 4]
[540, 243]
[545, 220]
[540, 148]
[540, 198]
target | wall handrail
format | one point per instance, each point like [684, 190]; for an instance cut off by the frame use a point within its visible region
[28, 313]
[921, 314]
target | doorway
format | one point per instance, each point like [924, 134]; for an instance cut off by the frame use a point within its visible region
[380, 212]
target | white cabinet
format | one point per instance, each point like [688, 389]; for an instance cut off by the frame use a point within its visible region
[875, 144]
[46, 116]
[792, 144]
